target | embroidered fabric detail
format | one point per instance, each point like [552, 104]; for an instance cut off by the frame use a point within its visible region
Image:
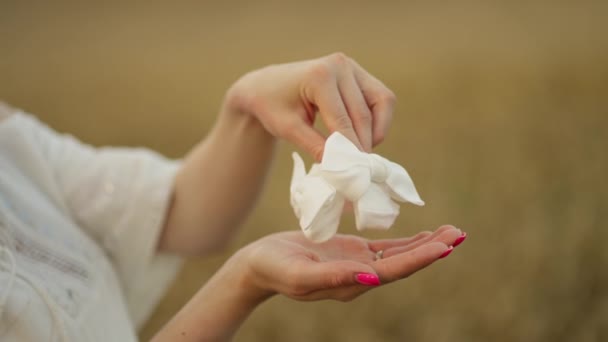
[40, 264]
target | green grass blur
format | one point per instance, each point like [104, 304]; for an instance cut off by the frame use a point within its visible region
[502, 122]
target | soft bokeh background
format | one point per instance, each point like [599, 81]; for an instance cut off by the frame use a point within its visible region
[502, 122]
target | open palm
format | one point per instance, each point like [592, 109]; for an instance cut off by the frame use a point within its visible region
[290, 264]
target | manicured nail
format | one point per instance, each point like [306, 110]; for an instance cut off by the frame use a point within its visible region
[446, 253]
[460, 239]
[367, 279]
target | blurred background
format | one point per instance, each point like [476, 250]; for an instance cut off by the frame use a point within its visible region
[502, 122]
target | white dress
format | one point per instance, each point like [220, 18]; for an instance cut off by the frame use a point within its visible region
[79, 228]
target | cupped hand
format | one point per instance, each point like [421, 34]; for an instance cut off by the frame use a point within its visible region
[285, 99]
[343, 267]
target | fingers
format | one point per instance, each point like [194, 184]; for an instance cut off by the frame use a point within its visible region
[385, 244]
[358, 110]
[333, 111]
[351, 101]
[445, 234]
[383, 116]
[379, 98]
[416, 240]
[338, 280]
[310, 277]
[402, 265]
[307, 138]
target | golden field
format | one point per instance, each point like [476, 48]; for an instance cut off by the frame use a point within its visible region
[502, 122]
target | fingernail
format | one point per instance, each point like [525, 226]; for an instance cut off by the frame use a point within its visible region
[367, 279]
[446, 253]
[460, 239]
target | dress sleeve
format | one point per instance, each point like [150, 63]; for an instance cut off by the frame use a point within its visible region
[120, 197]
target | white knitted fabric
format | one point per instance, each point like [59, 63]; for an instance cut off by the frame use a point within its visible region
[371, 182]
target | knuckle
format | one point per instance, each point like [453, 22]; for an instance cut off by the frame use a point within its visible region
[363, 115]
[425, 233]
[384, 271]
[445, 227]
[340, 58]
[335, 281]
[389, 97]
[342, 122]
[321, 72]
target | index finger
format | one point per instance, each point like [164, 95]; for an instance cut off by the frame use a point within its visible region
[333, 112]
[381, 101]
[307, 138]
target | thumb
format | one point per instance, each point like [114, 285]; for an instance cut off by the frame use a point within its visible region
[308, 139]
[338, 274]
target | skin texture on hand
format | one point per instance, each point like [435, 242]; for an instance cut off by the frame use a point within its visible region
[287, 263]
[286, 98]
[222, 177]
[290, 264]
[220, 180]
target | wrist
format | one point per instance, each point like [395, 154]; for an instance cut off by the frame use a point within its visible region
[218, 308]
[240, 273]
[238, 107]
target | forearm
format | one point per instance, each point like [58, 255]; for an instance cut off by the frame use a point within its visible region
[218, 185]
[217, 310]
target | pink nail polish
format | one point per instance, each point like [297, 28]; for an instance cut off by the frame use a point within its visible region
[460, 239]
[446, 253]
[367, 279]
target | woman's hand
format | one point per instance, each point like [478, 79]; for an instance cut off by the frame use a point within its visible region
[222, 176]
[341, 268]
[285, 99]
[287, 263]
